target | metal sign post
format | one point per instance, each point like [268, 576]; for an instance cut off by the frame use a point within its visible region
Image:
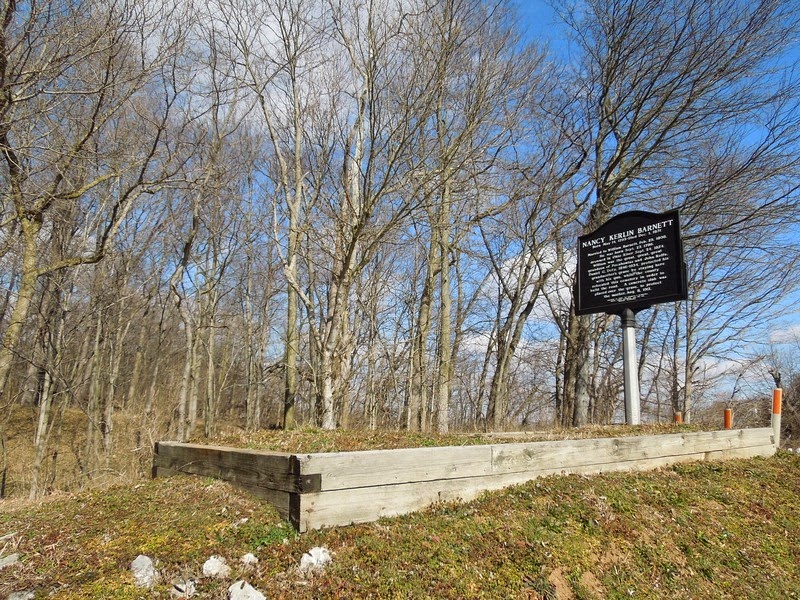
[630, 368]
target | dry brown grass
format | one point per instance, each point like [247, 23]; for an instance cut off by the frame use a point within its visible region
[702, 530]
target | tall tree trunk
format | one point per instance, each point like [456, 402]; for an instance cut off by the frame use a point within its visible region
[52, 358]
[186, 397]
[577, 371]
[27, 288]
[371, 403]
[292, 333]
[186, 383]
[138, 360]
[294, 200]
[343, 367]
[209, 424]
[31, 385]
[445, 310]
[41, 436]
[193, 404]
[418, 395]
[146, 422]
[496, 408]
[115, 358]
[560, 408]
[252, 387]
[93, 406]
[582, 361]
[677, 403]
[326, 409]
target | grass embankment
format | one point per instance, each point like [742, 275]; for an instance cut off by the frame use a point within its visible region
[311, 440]
[705, 530]
[65, 466]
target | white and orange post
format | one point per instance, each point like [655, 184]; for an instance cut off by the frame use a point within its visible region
[727, 419]
[777, 401]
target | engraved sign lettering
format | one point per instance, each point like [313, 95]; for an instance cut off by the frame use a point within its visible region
[633, 261]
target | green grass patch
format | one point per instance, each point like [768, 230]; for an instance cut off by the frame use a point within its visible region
[704, 530]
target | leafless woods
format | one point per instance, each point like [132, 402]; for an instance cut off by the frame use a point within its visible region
[363, 213]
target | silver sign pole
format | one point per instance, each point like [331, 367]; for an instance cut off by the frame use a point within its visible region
[630, 368]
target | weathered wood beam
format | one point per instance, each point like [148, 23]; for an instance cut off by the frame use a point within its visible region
[339, 488]
[275, 471]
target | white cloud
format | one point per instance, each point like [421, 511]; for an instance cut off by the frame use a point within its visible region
[786, 335]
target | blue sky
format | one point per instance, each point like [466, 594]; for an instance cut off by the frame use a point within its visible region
[539, 19]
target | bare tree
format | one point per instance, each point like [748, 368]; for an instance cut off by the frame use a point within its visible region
[656, 83]
[75, 78]
[483, 78]
[275, 45]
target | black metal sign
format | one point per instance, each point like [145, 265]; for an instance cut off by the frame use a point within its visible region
[633, 261]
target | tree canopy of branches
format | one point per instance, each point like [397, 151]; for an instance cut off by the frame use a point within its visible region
[356, 213]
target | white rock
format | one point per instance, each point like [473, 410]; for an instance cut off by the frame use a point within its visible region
[27, 595]
[315, 560]
[144, 572]
[183, 588]
[241, 590]
[8, 561]
[249, 559]
[216, 567]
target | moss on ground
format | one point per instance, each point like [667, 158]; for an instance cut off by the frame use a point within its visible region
[700, 530]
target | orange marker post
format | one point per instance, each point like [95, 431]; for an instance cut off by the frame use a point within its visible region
[777, 401]
[678, 418]
[728, 418]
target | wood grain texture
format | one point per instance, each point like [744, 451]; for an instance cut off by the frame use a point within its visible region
[347, 470]
[366, 504]
[269, 470]
[339, 488]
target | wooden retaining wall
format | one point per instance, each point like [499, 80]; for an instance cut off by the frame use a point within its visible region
[340, 488]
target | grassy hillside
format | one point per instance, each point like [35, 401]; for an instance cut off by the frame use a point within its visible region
[706, 530]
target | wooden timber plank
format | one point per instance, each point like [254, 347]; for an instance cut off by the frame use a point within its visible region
[360, 505]
[516, 457]
[346, 470]
[278, 499]
[164, 472]
[268, 470]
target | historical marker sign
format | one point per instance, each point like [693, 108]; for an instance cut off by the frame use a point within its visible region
[631, 262]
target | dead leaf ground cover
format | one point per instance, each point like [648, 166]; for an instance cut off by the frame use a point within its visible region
[310, 440]
[702, 530]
